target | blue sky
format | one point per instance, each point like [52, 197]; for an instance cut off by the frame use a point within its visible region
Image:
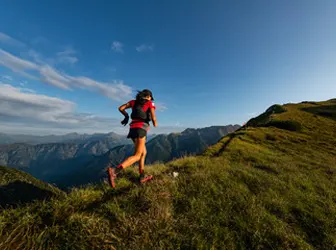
[67, 65]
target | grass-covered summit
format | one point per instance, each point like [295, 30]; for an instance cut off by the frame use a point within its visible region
[270, 185]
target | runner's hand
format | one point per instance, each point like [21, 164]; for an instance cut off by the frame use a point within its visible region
[125, 121]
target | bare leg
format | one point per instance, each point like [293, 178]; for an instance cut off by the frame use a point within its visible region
[142, 160]
[139, 149]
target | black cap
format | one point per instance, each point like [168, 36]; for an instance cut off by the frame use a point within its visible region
[147, 92]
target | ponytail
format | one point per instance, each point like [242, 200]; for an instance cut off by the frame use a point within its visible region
[140, 98]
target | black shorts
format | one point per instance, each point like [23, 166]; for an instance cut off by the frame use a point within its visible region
[137, 133]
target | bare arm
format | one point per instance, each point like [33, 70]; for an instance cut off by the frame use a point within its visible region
[153, 117]
[123, 107]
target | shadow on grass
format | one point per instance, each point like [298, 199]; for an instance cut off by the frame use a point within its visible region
[95, 207]
[326, 111]
[226, 144]
[19, 192]
[108, 195]
[266, 169]
[312, 226]
[132, 177]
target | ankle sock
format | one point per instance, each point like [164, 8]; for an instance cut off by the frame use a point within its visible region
[119, 166]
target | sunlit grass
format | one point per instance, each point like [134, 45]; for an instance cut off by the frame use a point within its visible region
[259, 188]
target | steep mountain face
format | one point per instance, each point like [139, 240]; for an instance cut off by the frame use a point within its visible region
[162, 148]
[43, 160]
[68, 138]
[46, 161]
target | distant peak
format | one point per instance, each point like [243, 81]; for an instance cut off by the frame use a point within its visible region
[188, 130]
[73, 133]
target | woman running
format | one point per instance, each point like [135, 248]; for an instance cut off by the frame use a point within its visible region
[143, 111]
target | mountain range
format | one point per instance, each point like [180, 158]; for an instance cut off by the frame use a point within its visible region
[67, 138]
[162, 148]
[75, 162]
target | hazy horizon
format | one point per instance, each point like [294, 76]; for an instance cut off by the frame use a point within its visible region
[107, 132]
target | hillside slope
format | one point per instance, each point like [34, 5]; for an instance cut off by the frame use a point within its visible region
[270, 185]
[17, 187]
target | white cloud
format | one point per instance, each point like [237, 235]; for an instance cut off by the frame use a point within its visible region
[7, 78]
[68, 51]
[41, 107]
[14, 63]
[27, 90]
[115, 90]
[145, 48]
[36, 57]
[5, 39]
[67, 56]
[52, 77]
[23, 83]
[68, 59]
[161, 107]
[22, 109]
[117, 47]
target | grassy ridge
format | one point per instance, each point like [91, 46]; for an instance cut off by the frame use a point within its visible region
[266, 186]
[18, 188]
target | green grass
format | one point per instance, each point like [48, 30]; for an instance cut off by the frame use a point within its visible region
[263, 187]
[18, 188]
